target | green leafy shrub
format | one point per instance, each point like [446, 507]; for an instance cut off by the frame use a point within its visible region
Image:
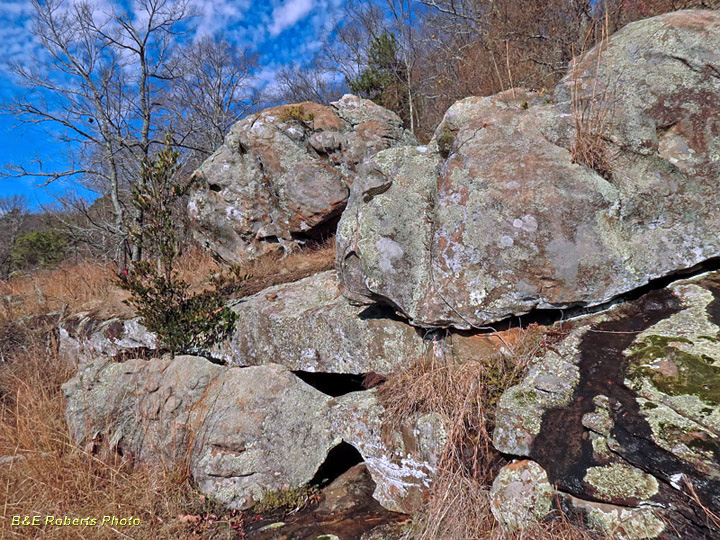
[185, 322]
[43, 248]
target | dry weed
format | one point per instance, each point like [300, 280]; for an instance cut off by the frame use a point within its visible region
[274, 269]
[77, 284]
[592, 114]
[458, 507]
[44, 474]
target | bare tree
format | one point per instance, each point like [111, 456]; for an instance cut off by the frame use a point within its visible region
[113, 83]
[211, 91]
[317, 82]
[98, 89]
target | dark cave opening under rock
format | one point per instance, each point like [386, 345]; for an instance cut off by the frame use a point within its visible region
[339, 460]
[334, 384]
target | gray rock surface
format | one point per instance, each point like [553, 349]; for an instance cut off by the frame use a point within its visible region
[308, 325]
[520, 495]
[493, 218]
[631, 396]
[245, 431]
[84, 337]
[283, 174]
[401, 459]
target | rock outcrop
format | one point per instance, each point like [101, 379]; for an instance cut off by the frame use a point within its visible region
[501, 214]
[283, 174]
[245, 431]
[632, 398]
[239, 428]
[84, 337]
[496, 218]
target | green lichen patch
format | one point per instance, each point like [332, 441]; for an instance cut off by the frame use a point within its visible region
[621, 482]
[673, 371]
[599, 420]
[632, 524]
[296, 112]
[683, 437]
[285, 499]
[445, 141]
[601, 451]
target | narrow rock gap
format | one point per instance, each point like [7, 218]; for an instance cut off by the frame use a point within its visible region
[145, 353]
[321, 232]
[546, 317]
[338, 461]
[334, 384]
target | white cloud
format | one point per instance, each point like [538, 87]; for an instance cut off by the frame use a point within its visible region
[215, 16]
[287, 14]
[15, 9]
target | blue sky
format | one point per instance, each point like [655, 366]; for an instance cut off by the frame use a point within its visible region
[280, 31]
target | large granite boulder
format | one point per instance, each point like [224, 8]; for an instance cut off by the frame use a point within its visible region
[496, 218]
[283, 174]
[245, 432]
[240, 429]
[632, 396]
[309, 326]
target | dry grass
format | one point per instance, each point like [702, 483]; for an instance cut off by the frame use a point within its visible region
[77, 284]
[89, 285]
[48, 475]
[274, 269]
[592, 114]
[466, 395]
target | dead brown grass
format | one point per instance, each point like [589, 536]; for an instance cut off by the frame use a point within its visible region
[274, 269]
[466, 394]
[592, 113]
[44, 474]
[90, 285]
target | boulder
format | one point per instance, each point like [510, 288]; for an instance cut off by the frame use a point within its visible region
[238, 428]
[521, 495]
[83, 337]
[498, 215]
[283, 174]
[401, 458]
[632, 398]
[309, 326]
